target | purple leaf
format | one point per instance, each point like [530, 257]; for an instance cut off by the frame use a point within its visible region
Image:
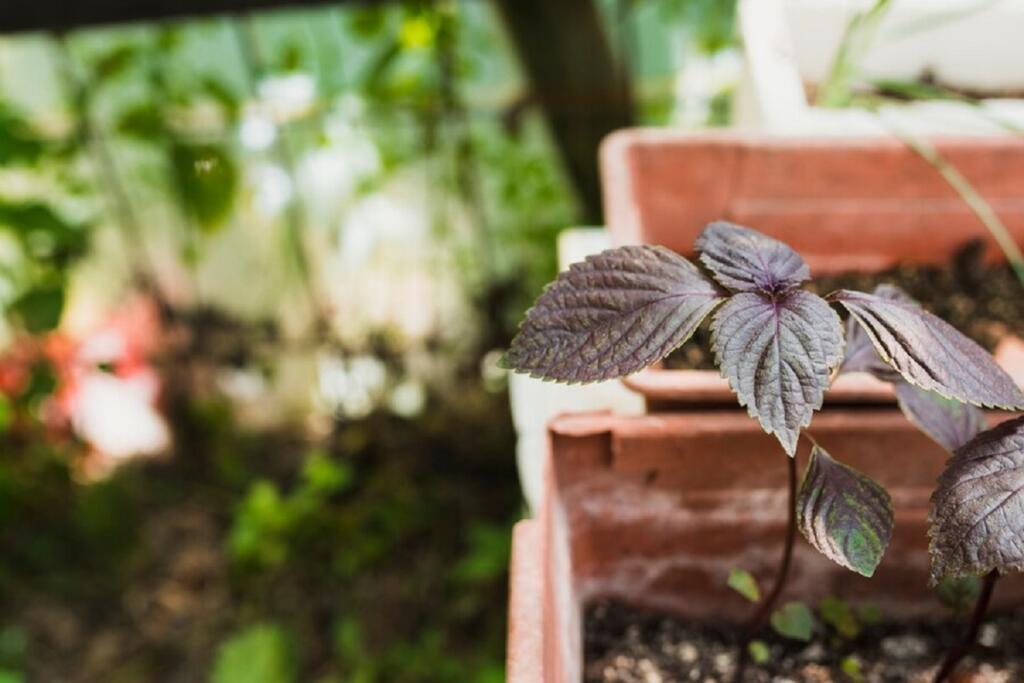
[929, 353]
[744, 260]
[777, 354]
[844, 514]
[861, 355]
[977, 521]
[950, 423]
[612, 315]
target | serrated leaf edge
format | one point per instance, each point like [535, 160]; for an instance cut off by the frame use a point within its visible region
[817, 452]
[888, 361]
[751, 412]
[503, 362]
[933, 578]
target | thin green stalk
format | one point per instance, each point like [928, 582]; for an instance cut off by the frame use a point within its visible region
[978, 204]
[835, 90]
[453, 109]
[764, 609]
[93, 139]
[255, 64]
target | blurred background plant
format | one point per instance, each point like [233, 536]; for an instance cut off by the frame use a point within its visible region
[255, 271]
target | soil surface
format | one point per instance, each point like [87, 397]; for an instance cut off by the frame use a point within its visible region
[626, 645]
[984, 302]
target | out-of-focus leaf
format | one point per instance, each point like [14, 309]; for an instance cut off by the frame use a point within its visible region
[169, 38]
[958, 594]
[367, 21]
[950, 423]
[324, 475]
[258, 654]
[5, 421]
[977, 522]
[759, 651]
[844, 513]
[41, 384]
[869, 614]
[18, 142]
[43, 232]
[914, 90]
[488, 554]
[13, 645]
[291, 58]
[258, 534]
[928, 352]
[840, 616]
[206, 179]
[142, 122]
[793, 620]
[39, 309]
[224, 96]
[777, 354]
[417, 32]
[744, 260]
[612, 315]
[852, 667]
[31, 215]
[744, 583]
[114, 62]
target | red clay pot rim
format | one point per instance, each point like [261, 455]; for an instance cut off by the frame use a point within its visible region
[708, 387]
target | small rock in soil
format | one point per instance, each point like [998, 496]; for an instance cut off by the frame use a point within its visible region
[909, 646]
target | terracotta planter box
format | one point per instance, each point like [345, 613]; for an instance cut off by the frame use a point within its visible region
[843, 203]
[656, 510]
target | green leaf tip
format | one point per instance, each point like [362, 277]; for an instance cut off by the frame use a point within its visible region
[744, 583]
[844, 514]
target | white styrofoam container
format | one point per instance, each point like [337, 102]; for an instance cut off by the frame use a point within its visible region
[535, 402]
[968, 44]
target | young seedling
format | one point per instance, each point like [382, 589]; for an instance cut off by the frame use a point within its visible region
[778, 346]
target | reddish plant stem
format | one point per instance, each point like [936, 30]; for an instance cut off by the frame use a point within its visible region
[764, 610]
[955, 655]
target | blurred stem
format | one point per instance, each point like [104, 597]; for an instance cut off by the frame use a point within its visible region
[835, 90]
[89, 135]
[255, 64]
[957, 653]
[454, 110]
[978, 204]
[168, 139]
[764, 610]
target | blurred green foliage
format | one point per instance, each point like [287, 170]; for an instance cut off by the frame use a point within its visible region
[371, 549]
[258, 654]
[958, 594]
[711, 22]
[207, 180]
[266, 521]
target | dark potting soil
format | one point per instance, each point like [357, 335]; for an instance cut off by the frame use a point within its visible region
[626, 645]
[984, 302]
